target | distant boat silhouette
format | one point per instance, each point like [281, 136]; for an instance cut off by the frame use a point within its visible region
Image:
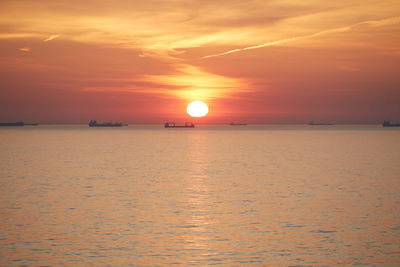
[173, 125]
[93, 123]
[19, 123]
[237, 124]
[314, 123]
[388, 124]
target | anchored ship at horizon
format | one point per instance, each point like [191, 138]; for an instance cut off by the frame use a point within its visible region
[315, 123]
[388, 124]
[173, 125]
[18, 123]
[94, 123]
[237, 124]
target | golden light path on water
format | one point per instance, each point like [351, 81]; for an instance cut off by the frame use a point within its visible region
[146, 195]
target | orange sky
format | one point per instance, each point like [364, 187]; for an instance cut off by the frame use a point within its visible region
[281, 61]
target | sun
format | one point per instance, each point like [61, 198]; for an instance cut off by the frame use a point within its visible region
[197, 109]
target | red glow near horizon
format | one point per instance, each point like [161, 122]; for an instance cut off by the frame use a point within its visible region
[59, 65]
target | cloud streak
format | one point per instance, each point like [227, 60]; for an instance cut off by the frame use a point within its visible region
[192, 83]
[25, 49]
[375, 23]
[51, 38]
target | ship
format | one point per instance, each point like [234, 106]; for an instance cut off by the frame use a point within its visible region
[314, 123]
[173, 125]
[237, 124]
[19, 123]
[94, 123]
[388, 124]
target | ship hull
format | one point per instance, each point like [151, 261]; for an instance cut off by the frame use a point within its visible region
[392, 125]
[178, 126]
[93, 123]
[106, 125]
[12, 124]
[173, 125]
[388, 124]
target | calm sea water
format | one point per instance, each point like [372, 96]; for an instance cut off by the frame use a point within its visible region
[213, 195]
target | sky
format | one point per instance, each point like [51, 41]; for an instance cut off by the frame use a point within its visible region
[262, 61]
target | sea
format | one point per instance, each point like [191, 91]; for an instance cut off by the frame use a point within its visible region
[255, 195]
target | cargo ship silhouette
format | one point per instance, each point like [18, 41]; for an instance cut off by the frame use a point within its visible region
[94, 123]
[388, 124]
[314, 123]
[173, 125]
[237, 124]
[19, 123]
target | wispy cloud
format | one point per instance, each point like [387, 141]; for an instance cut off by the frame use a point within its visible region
[193, 83]
[51, 38]
[375, 23]
[25, 49]
[16, 35]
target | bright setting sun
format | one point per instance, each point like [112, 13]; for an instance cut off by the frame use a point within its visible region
[197, 109]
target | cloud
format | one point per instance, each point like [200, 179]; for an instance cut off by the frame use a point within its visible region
[376, 23]
[136, 24]
[51, 38]
[25, 49]
[16, 35]
[193, 83]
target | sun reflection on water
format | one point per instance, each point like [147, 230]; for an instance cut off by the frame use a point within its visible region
[197, 196]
